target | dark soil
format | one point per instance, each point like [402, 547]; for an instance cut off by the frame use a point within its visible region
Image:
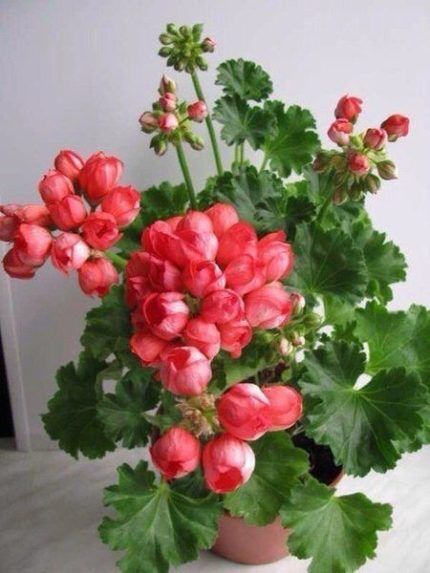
[323, 466]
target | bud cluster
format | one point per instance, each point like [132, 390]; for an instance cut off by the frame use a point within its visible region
[361, 162]
[83, 202]
[169, 119]
[184, 48]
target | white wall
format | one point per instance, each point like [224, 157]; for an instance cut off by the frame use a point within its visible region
[78, 74]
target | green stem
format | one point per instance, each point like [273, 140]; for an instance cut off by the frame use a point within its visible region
[236, 154]
[242, 152]
[117, 260]
[209, 124]
[323, 210]
[186, 172]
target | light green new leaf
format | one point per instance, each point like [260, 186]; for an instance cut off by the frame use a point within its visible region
[360, 424]
[328, 263]
[396, 339]
[72, 416]
[156, 525]
[108, 325]
[244, 79]
[122, 413]
[295, 142]
[242, 122]
[278, 467]
[338, 532]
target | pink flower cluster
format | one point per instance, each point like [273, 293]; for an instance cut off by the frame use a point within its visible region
[374, 139]
[85, 232]
[202, 283]
[245, 412]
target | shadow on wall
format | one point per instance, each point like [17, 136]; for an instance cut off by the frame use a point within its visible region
[6, 423]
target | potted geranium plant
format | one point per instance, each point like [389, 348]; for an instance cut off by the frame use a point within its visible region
[238, 323]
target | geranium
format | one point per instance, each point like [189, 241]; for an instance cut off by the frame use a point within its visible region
[234, 321]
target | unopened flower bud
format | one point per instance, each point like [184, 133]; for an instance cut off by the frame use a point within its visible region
[372, 183]
[285, 347]
[339, 196]
[167, 85]
[197, 111]
[321, 162]
[298, 340]
[208, 45]
[375, 138]
[387, 170]
[299, 302]
[165, 51]
[159, 145]
[396, 126]
[168, 122]
[195, 141]
[358, 163]
[202, 64]
[165, 39]
[148, 122]
[168, 101]
[348, 107]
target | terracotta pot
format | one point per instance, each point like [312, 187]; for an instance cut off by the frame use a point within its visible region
[251, 544]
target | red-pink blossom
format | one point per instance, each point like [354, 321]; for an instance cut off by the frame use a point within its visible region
[203, 277]
[245, 273]
[99, 175]
[69, 163]
[96, 276]
[69, 213]
[203, 335]
[276, 255]
[176, 453]
[348, 107]
[223, 216]
[69, 252]
[15, 268]
[268, 307]
[239, 239]
[54, 186]
[100, 230]
[222, 306]
[185, 371]
[123, 203]
[286, 406]
[235, 336]
[32, 244]
[166, 314]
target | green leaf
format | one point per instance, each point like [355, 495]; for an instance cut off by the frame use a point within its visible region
[396, 339]
[107, 325]
[122, 413]
[338, 532]
[384, 262]
[278, 467]
[295, 142]
[359, 424]
[242, 122]
[244, 79]
[164, 200]
[328, 263]
[72, 416]
[157, 525]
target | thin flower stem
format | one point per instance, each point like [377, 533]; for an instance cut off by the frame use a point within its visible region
[209, 124]
[186, 172]
[117, 260]
[242, 153]
[324, 207]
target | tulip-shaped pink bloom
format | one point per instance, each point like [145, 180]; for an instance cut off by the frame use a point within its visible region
[33, 214]
[185, 370]
[222, 306]
[240, 239]
[54, 186]
[286, 406]
[8, 227]
[173, 222]
[244, 411]
[69, 213]
[123, 203]
[396, 126]
[32, 244]
[340, 130]
[15, 268]
[100, 230]
[166, 314]
[204, 336]
[69, 252]
[223, 216]
[197, 246]
[268, 307]
[203, 277]
[162, 275]
[176, 453]
[235, 336]
[96, 276]
[227, 462]
[147, 347]
[348, 107]
[159, 239]
[99, 175]
[375, 138]
[244, 274]
[69, 163]
[276, 255]
[195, 221]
